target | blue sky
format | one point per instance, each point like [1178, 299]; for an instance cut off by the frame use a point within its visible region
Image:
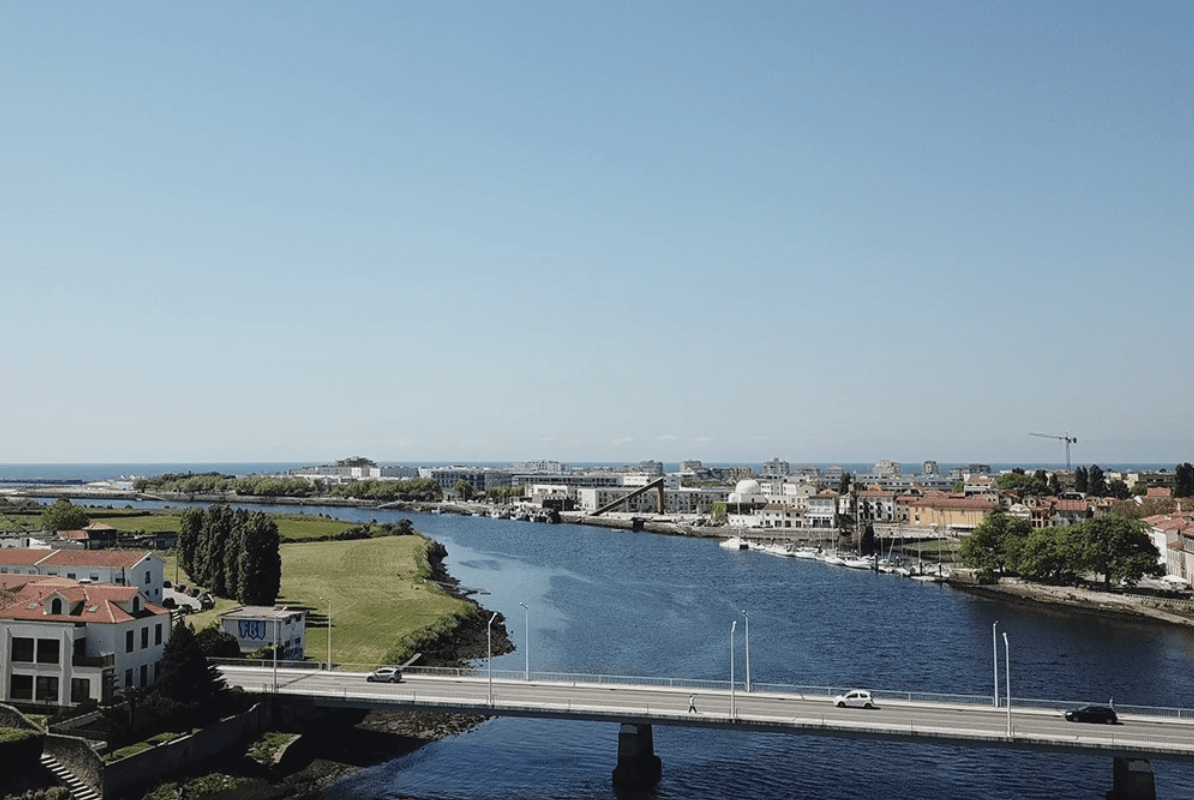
[832, 231]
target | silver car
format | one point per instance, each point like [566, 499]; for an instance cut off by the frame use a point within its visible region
[385, 675]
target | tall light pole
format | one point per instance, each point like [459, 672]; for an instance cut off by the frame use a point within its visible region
[275, 651]
[489, 638]
[995, 659]
[733, 627]
[329, 634]
[746, 632]
[1007, 680]
[527, 618]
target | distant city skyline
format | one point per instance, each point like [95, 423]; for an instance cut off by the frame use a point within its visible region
[607, 232]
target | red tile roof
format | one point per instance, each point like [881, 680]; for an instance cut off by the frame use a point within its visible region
[98, 602]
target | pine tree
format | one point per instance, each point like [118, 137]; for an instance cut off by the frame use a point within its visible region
[1080, 479]
[187, 686]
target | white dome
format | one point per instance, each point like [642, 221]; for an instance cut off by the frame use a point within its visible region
[748, 486]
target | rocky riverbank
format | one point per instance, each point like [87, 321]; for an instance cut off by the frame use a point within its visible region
[1077, 599]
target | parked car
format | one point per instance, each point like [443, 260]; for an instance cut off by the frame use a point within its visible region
[1093, 714]
[195, 591]
[855, 698]
[385, 675]
[206, 601]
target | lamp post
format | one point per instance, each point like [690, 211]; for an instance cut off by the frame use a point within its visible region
[527, 618]
[329, 634]
[275, 651]
[746, 633]
[489, 638]
[1007, 681]
[995, 660]
[733, 627]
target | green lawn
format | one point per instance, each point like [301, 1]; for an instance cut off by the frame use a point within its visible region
[379, 602]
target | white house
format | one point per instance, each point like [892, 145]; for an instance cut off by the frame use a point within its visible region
[137, 568]
[63, 642]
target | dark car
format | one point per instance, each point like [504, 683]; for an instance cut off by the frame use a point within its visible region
[1092, 714]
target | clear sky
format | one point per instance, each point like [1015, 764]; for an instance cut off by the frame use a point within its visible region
[602, 231]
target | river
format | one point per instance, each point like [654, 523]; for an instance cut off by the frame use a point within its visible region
[620, 602]
[630, 603]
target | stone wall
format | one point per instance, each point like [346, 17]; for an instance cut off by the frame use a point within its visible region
[78, 756]
[143, 770]
[11, 718]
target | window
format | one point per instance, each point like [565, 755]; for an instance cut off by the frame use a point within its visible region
[22, 649]
[56, 605]
[128, 678]
[157, 633]
[147, 577]
[21, 687]
[144, 638]
[128, 641]
[47, 689]
[48, 651]
[80, 689]
[144, 675]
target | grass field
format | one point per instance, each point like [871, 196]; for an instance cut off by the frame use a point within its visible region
[291, 527]
[381, 607]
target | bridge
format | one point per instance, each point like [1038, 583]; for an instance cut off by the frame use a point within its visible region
[639, 703]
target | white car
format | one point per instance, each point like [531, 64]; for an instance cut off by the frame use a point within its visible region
[855, 698]
[385, 675]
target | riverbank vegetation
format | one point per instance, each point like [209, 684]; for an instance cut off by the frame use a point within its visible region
[1116, 549]
[411, 489]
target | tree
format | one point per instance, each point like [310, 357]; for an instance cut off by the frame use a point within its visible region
[1096, 482]
[63, 516]
[1080, 479]
[463, 489]
[260, 561]
[843, 484]
[1054, 484]
[1018, 481]
[215, 642]
[1184, 480]
[188, 688]
[1048, 556]
[1118, 489]
[1117, 548]
[995, 544]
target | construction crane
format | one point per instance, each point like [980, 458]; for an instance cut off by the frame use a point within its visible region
[1065, 438]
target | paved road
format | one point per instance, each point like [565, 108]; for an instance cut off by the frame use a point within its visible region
[984, 726]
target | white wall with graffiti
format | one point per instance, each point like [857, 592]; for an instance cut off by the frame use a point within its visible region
[256, 627]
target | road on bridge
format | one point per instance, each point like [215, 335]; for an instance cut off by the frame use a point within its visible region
[1138, 736]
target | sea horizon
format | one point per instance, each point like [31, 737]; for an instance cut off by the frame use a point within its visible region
[85, 472]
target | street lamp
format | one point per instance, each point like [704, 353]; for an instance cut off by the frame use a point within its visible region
[329, 634]
[747, 634]
[995, 660]
[527, 618]
[489, 638]
[733, 627]
[1007, 680]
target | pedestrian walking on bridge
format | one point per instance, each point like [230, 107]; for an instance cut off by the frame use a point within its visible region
[692, 704]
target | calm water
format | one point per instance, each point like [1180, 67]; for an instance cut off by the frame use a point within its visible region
[639, 604]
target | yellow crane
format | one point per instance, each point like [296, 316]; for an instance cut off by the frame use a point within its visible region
[1063, 437]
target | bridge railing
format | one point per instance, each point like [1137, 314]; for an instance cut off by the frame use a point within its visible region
[698, 684]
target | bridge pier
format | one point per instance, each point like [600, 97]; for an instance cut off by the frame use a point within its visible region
[638, 766]
[1132, 779]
